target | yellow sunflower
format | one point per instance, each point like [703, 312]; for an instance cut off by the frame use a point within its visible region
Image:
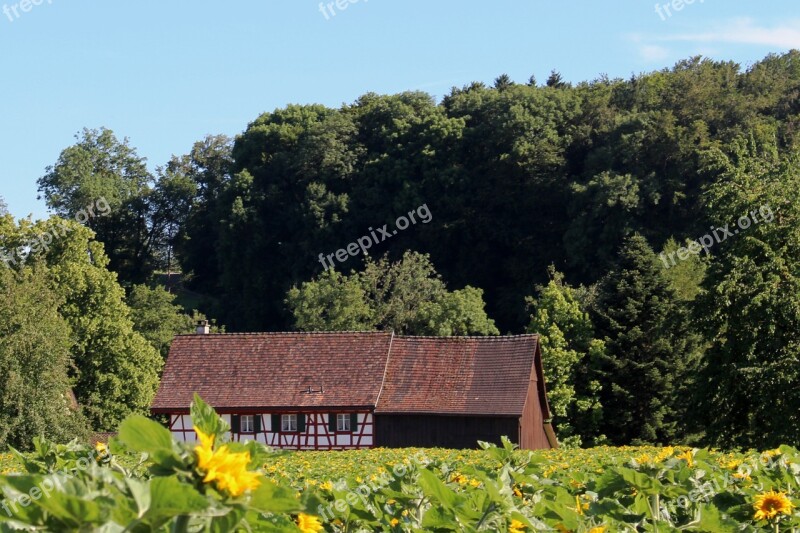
[771, 504]
[688, 457]
[516, 526]
[226, 469]
[309, 524]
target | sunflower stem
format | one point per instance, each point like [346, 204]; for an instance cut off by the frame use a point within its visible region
[181, 524]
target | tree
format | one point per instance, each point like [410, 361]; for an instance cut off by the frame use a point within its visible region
[749, 382]
[156, 317]
[570, 355]
[650, 350]
[35, 392]
[285, 198]
[114, 370]
[407, 297]
[556, 81]
[3, 207]
[98, 168]
[205, 173]
[460, 312]
[685, 276]
[503, 82]
[332, 302]
[603, 212]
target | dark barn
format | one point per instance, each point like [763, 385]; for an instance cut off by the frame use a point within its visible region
[349, 390]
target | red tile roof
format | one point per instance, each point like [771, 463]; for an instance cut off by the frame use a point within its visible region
[393, 374]
[273, 370]
[459, 375]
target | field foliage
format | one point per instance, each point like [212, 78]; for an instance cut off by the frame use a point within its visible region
[145, 481]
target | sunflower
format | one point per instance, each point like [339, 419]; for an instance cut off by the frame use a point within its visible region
[688, 457]
[101, 452]
[771, 504]
[516, 526]
[598, 529]
[228, 470]
[308, 523]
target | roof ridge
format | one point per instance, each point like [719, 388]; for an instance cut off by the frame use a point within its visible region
[281, 333]
[495, 338]
[385, 371]
[471, 337]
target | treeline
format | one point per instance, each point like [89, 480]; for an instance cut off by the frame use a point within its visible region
[550, 204]
[77, 354]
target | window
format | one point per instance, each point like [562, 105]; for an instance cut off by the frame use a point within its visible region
[343, 422]
[288, 422]
[247, 424]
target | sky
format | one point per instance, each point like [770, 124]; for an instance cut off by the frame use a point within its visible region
[165, 74]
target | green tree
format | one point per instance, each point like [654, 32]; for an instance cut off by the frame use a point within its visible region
[650, 349]
[570, 355]
[206, 173]
[749, 382]
[556, 81]
[114, 369]
[685, 276]
[35, 392]
[503, 82]
[407, 297]
[332, 302]
[460, 312]
[157, 318]
[99, 167]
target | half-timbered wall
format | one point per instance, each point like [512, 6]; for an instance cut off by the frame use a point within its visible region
[317, 434]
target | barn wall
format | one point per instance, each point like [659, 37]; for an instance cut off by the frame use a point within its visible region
[430, 431]
[532, 433]
[317, 435]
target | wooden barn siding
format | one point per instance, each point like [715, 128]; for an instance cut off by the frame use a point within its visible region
[531, 431]
[431, 431]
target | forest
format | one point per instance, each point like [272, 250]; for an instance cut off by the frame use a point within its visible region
[648, 229]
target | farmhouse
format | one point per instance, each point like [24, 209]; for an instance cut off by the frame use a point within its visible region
[346, 390]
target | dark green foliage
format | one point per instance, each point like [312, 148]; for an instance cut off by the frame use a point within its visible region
[133, 213]
[407, 297]
[571, 355]
[749, 382]
[35, 390]
[517, 178]
[156, 317]
[650, 350]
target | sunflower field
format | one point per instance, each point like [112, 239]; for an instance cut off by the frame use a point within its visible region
[144, 481]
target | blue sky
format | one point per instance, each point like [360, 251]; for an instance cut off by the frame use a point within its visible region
[165, 74]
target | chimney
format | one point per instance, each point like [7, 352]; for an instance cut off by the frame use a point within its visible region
[203, 328]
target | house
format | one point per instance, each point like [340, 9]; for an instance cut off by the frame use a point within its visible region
[347, 390]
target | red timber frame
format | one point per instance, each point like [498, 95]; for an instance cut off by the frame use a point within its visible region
[317, 434]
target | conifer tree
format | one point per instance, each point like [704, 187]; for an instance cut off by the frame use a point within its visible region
[649, 349]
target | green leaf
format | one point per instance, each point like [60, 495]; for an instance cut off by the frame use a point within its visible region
[143, 435]
[206, 419]
[437, 491]
[437, 518]
[642, 482]
[66, 508]
[712, 519]
[271, 498]
[140, 491]
[169, 497]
